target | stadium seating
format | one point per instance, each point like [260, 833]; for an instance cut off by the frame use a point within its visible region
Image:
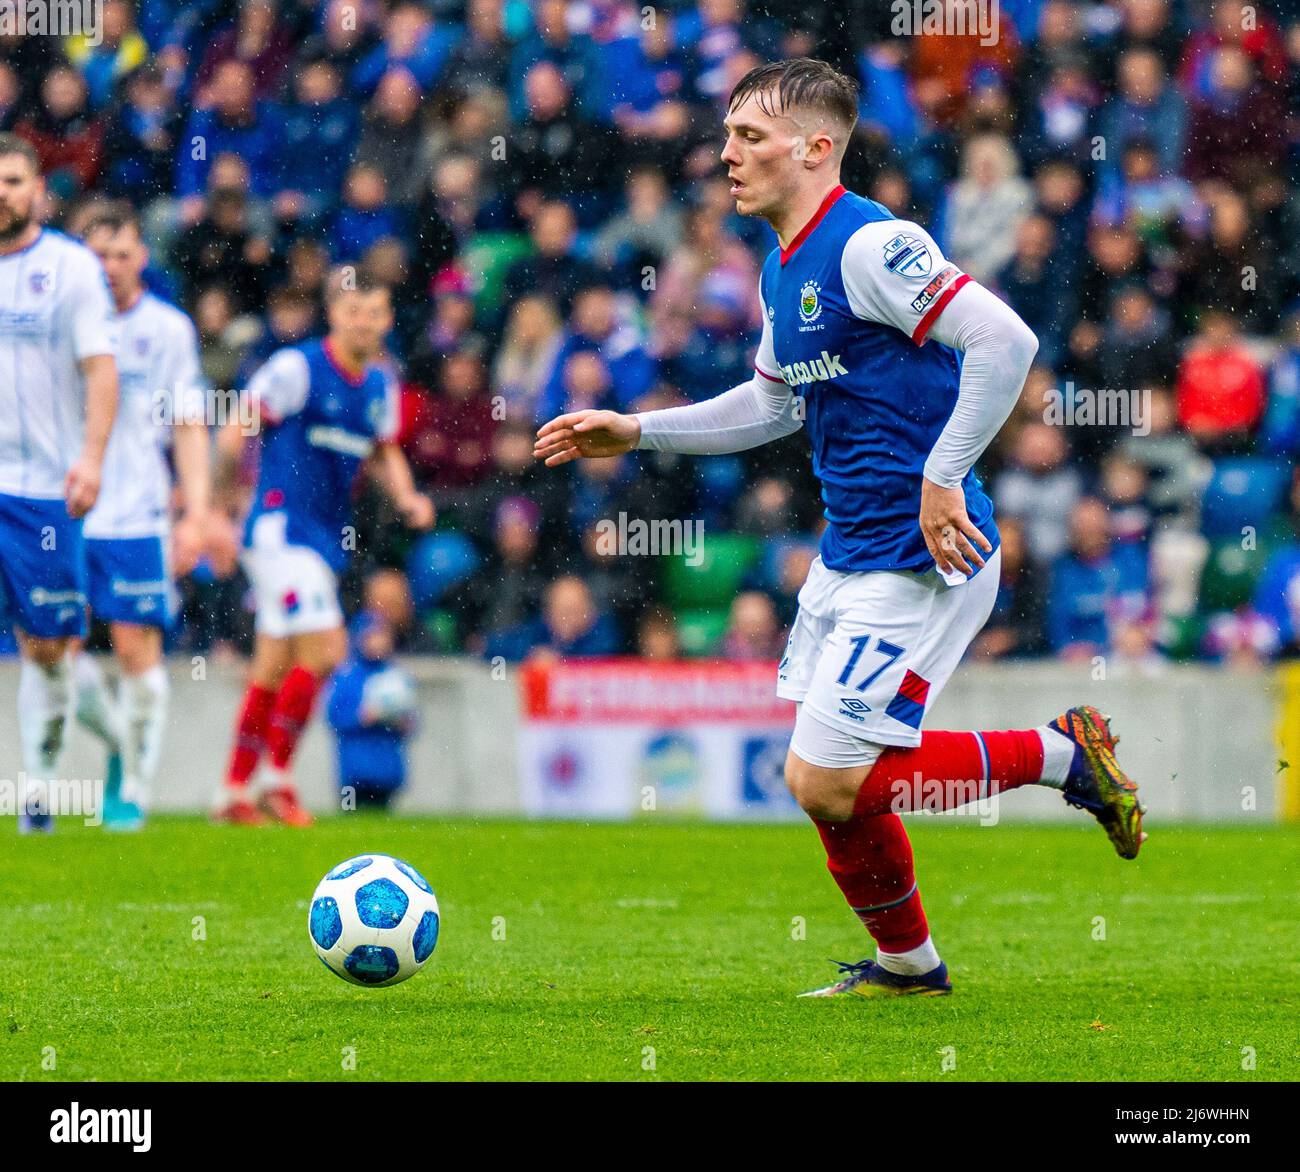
[439, 561]
[726, 559]
[1243, 491]
[1230, 574]
[700, 631]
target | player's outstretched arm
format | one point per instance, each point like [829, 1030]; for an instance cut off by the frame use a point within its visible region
[586, 434]
[746, 416]
[229, 451]
[81, 488]
[394, 475]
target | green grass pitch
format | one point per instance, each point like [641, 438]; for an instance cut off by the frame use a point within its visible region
[654, 950]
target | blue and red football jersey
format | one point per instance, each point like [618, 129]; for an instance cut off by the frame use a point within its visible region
[320, 423]
[847, 308]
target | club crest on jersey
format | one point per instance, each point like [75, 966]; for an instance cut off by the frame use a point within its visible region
[810, 306]
[142, 346]
[41, 281]
[908, 256]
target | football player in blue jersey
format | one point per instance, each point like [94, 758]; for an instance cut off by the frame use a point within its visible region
[326, 407]
[901, 370]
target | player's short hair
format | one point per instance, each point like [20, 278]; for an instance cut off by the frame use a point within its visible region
[290, 296]
[12, 144]
[352, 279]
[800, 81]
[113, 218]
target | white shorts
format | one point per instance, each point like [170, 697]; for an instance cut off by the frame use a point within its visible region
[869, 652]
[294, 589]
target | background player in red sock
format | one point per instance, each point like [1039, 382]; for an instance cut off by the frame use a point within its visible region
[325, 408]
[864, 320]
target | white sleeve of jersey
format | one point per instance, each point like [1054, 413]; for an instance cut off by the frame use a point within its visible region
[998, 349]
[279, 387]
[185, 380]
[391, 423]
[894, 273]
[765, 359]
[744, 417]
[91, 317]
[753, 413]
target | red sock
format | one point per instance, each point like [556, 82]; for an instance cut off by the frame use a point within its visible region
[250, 734]
[289, 717]
[949, 769]
[869, 855]
[871, 860]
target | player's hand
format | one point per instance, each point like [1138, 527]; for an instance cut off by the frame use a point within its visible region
[589, 434]
[188, 537]
[81, 488]
[949, 534]
[417, 511]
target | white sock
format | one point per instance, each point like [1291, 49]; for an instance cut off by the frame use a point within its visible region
[920, 960]
[93, 708]
[143, 717]
[43, 710]
[226, 794]
[269, 778]
[1058, 755]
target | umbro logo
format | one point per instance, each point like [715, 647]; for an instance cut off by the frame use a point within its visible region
[826, 367]
[854, 709]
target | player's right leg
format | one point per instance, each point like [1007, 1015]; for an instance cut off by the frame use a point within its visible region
[42, 580]
[272, 659]
[128, 587]
[316, 654]
[870, 858]
[43, 708]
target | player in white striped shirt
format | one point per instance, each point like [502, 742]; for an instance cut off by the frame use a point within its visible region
[132, 548]
[58, 395]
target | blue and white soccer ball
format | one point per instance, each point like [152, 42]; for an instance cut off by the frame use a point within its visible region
[374, 920]
[389, 694]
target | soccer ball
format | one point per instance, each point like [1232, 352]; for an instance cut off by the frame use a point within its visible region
[374, 920]
[390, 694]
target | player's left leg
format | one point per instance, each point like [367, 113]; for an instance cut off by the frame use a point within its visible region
[142, 715]
[94, 710]
[92, 702]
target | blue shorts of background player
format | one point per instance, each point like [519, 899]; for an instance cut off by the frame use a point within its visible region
[42, 567]
[127, 580]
